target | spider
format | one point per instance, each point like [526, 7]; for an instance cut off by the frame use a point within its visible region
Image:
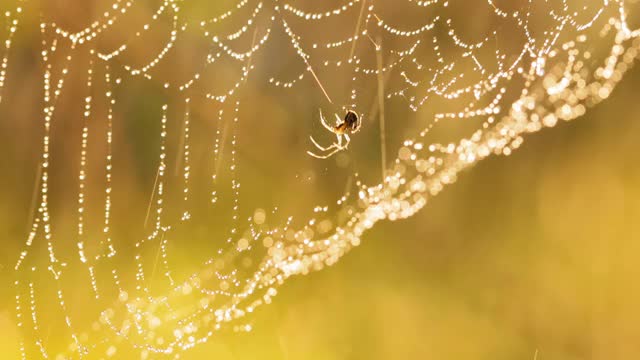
[350, 125]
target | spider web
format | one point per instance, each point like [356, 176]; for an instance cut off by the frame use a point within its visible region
[214, 235]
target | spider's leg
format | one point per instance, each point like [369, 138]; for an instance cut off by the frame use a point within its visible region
[338, 120]
[318, 156]
[339, 143]
[348, 141]
[333, 152]
[320, 147]
[325, 156]
[324, 122]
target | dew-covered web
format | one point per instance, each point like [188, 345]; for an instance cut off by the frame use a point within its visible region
[207, 111]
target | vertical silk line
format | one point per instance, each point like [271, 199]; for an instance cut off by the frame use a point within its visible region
[383, 139]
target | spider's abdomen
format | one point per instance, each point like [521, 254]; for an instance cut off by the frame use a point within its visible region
[352, 121]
